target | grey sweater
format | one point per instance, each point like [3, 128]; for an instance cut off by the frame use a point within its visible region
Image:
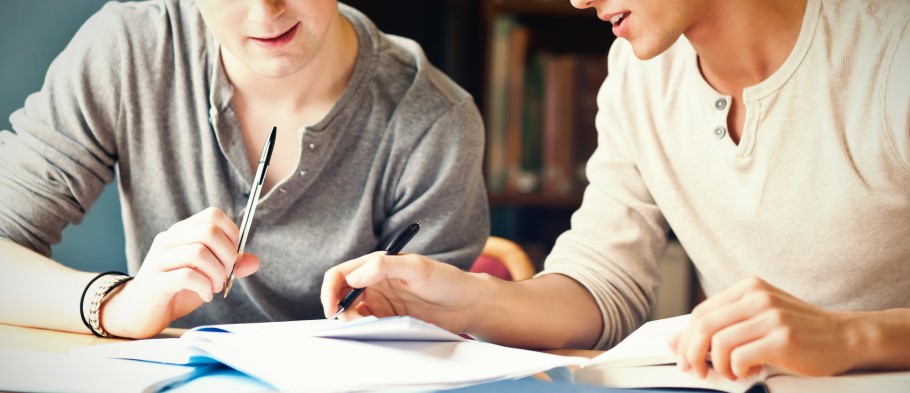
[141, 89]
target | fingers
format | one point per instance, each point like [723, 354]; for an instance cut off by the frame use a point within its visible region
[377, 304]
[377, 267]
[208, 234]
[205, 242]
[733, 338]
[246, 265]
[194, 256]
[694, 342]
[216, 217]
[747, 359]
[733, 306]
[174, 281]
[333, 283]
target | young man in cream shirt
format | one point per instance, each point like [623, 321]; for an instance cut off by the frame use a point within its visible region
[773, 137]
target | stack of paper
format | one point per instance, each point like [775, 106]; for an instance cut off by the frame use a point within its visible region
[644, 360]
[326, 355]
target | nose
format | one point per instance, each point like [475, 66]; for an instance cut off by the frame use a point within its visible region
[264, 11]
[581, 4]
[596, 4]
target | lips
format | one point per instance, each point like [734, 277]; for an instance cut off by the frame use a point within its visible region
[279, 39]
[619, 22]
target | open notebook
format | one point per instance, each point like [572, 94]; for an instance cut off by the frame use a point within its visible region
[330, 355]
[644, 360]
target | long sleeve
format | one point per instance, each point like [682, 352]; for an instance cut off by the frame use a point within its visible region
[63, 150]
[618, 233]
[441, 184]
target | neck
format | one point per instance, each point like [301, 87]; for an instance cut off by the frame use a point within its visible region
[318, 84]
[741, 43]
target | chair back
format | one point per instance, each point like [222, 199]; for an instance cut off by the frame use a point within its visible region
[504, 259]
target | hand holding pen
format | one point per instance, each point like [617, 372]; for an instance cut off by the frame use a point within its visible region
[174, 278]
[394, 248]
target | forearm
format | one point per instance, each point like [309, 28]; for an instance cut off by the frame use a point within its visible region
[879, 339]
[38, 292]
[547, 312]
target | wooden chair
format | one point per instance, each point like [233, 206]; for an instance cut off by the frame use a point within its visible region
[505, 259]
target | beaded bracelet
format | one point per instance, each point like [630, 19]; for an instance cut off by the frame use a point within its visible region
[93, 322]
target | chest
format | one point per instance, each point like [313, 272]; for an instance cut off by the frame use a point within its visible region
[255, 124]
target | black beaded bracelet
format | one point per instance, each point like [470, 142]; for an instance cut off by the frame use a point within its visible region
[85, 291]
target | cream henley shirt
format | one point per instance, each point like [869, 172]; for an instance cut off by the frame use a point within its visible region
[815, 198]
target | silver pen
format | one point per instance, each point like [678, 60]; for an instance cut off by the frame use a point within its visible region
[263, 166]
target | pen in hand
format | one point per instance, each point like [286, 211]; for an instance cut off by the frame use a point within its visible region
[394, 248]
[263, 166]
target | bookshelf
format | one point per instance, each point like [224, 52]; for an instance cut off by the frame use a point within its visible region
[543, 62]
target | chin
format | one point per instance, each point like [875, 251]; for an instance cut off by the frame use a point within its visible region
[647, 50]
[278, 70]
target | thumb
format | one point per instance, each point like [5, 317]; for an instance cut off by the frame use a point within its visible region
[246, 265]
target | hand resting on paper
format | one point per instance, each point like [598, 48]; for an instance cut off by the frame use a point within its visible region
[186, 266]
[754, 323]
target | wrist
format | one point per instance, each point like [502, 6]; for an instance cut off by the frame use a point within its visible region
[93, 297]
[877, 339]
[487, 305]
[111, 317]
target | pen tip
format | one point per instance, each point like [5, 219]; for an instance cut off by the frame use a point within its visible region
[227, 287]
[337, 313]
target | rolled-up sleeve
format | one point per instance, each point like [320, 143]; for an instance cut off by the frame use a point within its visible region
[62, 150]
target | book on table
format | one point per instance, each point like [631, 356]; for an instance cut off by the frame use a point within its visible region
[644, 360]
[331, 355]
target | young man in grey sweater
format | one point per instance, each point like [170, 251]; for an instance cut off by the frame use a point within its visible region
[174, 99]
[773, 137]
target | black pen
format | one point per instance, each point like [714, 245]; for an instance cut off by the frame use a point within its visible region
[394, 248]
[263, 166]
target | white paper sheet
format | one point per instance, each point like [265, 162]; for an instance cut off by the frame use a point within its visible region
[34, 371]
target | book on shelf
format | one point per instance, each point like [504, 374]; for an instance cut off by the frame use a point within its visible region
[497, 102]
[331, 355]
[558, 125]
[540, 114]
[518, 52]
[644, 360]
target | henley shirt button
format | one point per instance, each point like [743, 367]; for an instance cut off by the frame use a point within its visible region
[302, 173]
[312, 146]
[720, 104]
[719, 132]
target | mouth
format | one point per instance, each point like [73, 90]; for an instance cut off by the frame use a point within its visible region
[617, 19]
[278, 39]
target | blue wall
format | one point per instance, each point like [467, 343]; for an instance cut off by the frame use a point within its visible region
[32, 33]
